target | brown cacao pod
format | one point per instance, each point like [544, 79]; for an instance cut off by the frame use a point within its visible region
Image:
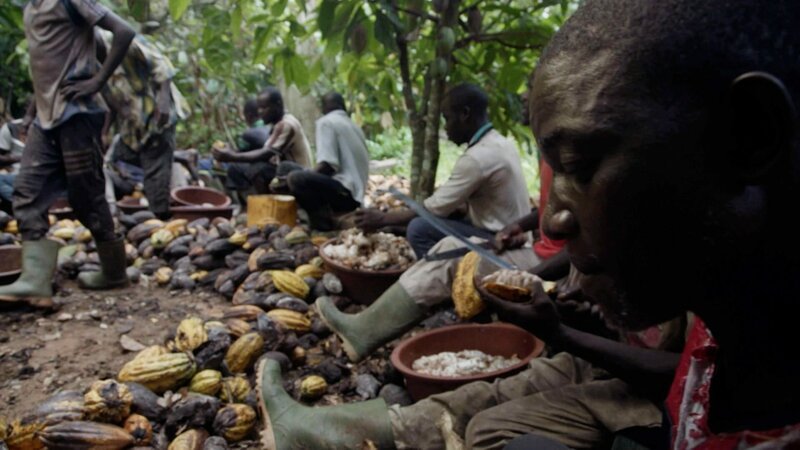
[189, 440]
[83, 434]
[243, 312]
[61, 407]
[234, 421]
[140, 429]
[23, 434]
[238, 327]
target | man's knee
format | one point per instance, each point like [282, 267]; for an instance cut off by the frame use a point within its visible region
[297, 180]
[484, 431]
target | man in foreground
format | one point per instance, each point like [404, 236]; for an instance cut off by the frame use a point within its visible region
[63, 146]
[486, 190]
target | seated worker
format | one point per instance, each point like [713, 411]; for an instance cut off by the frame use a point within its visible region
[145, 105]
[338, 182]
[287, 142]
[486, 182]
[252, 138]
[665, 114]
[580, 399]
[12, 143]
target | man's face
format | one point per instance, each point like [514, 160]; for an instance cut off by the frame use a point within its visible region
[267, 110]
[631, 189]
[455, 124]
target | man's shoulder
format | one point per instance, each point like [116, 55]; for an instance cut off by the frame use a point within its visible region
[489, 146]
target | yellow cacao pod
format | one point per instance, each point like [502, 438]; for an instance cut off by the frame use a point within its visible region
[107, 401]
[140, 429]
[84, 236]
[161, 238]
[207, 382]
[313, 387]
[296, 236]
[467, 301]
[176, 226]
[3, 428]
[292, 320]
[234, 422]
[319, 240]
[318, 261]
[12, 227]
[309, 270]
[153, 350]
[163, 275]
[234, 389]
[190, 335]
[290, 283]
[200, 274]
[84, 434]
[238, 238]
[189, 440]
[159, 373]
[242, 354]
[64, 233]
[23, 434]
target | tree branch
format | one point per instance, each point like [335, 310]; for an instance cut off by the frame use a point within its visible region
[419, 14]
[405, 75]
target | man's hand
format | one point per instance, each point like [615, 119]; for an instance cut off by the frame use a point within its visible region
[539, 315]
[510, 237]
[81, 88]
[223, 154]
[370, 219]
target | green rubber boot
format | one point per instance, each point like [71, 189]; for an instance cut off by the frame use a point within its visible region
[290, 425]
[112, 264]
[392, 314]
[34, 284]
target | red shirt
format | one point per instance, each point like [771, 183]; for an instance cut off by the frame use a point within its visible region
[688, 404]
[545, 247]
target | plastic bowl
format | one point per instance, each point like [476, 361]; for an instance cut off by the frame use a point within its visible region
[199, 196]
[130, 205]
[361, 286]
[61, 209]
[493, 339]
[10, 263]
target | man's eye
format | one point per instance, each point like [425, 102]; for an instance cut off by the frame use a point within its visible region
[583, 169]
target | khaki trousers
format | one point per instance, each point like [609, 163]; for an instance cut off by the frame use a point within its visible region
[562, 398]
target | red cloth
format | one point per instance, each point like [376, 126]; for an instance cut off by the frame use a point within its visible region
[688, 404]
[545, 247]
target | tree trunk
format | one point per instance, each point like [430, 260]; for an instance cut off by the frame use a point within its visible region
[438, 83]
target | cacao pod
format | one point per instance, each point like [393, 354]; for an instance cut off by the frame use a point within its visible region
[313, 387]
[176, 226]
[189, 440]
[290, 283]
[291, 320]
[511, 285]
[244, 352]
[309, 270]
[238, 238]
[275, 260]
[62, 407]
[82, 434]
[64, 233]
[297, 236]
[358, 38]
[234, 422]
[145, 402]
[140, 429]
[234, 389]
[468, 302]
[244, 312]
[215, 443]
[23, 434]
[107, 401]
[220, 247]
[153, 350]
[159, 373]
[475, 20]
[238, 327]
[163, 275]
[446, 41]
[191, 334]
[207, 382]
[161, 238]
[192, 411]
[143, 231]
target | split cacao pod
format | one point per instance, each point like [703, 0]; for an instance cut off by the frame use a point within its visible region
[107, 401]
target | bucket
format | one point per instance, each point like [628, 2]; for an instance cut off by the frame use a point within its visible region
[271, 209]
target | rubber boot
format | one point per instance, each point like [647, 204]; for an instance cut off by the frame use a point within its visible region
[392, 314]
[290, 425]
[112, 263]
[34, 284]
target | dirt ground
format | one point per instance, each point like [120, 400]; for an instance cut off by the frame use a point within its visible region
[41, 354]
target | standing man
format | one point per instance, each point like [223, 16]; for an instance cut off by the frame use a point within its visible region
[63, 147]
[287, 142]
[486, 188]
[146, 105]
[337, 183]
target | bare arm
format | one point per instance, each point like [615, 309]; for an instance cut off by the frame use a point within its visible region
[123, 35]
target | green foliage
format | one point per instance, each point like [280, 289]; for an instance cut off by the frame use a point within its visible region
[15, 86]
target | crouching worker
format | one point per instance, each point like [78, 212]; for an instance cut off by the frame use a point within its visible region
[63, 147]
[486, 188]
[337, 183]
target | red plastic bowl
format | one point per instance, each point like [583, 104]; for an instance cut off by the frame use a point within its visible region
[191, 213]
[361, 286]
[130, 205]
[10, 263]
[493, 339]
[199, 196]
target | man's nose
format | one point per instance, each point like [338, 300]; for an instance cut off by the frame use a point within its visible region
[559, 222]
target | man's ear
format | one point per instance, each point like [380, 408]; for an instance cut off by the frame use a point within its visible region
[762, 125]
[466, 113]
